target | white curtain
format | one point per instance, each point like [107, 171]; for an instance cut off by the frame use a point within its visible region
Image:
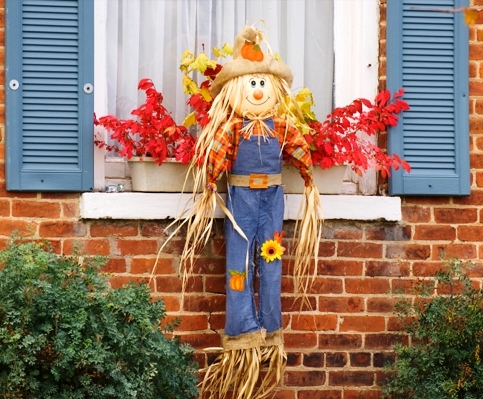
[147, 37]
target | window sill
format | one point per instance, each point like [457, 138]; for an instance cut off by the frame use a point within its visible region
[151, 206]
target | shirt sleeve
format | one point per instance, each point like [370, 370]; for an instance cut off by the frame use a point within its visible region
[295, 149]
[221, 153]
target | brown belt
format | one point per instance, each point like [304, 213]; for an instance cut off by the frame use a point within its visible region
[255, 180]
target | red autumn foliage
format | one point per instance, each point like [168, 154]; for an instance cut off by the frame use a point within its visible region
[152, 132]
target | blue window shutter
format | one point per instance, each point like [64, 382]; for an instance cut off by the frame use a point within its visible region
[49, 104]
[427, 55]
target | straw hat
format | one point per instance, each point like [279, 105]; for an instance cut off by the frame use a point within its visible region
[248, 58]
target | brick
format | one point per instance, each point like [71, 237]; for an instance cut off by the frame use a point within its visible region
[382, 341]
[70, 210]
[204, 303]
[388, 233]
[362, 394]
[115, 265]
[426, 269]
[362, 323]
[10, 225]
[309, 378]
[326, 249]
[119, 281]
[320, 394]
[461, 251]
[408, 251]
[381, 305]
[89, 247]
[296, 304]
[317, 322]
[217, 320]
[154, 229]
[402, 286]
[294, 359]
[283, 395]
[209, 266]
[383, 358]
[367, 285]
[187, 322]
[61, 228]
[348, 232]
[394, 268]
[338, 304]
[340, 341]
[455, 215]
[438, 232]
[470, 233]
[339, 267]
[201, 341]
[216, 284]
[172, 303]
[351, 378]
[360, 359]
[314, 359]
[36, 209]
[326, 286]
[143, 265]
[300, 340]
[359, 250]
[137, 247]
[336, 359]
[4, 208]
[113, 229]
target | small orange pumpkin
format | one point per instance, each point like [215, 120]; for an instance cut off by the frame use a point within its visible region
[252, 52]
[237, 280]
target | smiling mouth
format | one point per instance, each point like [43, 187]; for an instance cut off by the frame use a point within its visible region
[268, 98]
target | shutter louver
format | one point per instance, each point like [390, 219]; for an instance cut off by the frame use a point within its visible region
[49, 116]
[427, 55]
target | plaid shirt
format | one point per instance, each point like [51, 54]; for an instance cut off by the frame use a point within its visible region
[225, 147]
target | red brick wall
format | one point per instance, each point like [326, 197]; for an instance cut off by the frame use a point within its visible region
[335, 351]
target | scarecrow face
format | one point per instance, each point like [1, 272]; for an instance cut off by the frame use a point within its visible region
[258, 95]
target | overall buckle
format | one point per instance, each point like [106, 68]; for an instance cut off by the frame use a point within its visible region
[258, 180]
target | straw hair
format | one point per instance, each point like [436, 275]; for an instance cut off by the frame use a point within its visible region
[308, 232]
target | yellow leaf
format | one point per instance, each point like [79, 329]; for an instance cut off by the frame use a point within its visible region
[190, 120]
[186, 59]
[218, 52]
[227, 49]
[277, 56]
[200, 63]
[206, 94]
[471, 16]
[189, 86]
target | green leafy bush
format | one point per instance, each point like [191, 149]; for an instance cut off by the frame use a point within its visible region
[444, 358]
[64, 333]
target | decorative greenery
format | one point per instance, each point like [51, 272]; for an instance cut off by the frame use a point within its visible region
[333, 141]
[65, 334]
[152, 133]
[445, 324]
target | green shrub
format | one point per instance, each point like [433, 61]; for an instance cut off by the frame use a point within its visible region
[444, 358]
[64, 333]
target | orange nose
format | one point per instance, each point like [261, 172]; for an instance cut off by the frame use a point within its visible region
[258, 94]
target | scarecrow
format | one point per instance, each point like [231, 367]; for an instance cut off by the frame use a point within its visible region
[247, 140]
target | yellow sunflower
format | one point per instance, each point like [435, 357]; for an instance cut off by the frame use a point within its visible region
[271, 250]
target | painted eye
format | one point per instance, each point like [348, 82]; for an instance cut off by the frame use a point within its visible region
[262, 83]
[253, 83]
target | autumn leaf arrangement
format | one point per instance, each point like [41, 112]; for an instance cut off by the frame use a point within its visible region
[336, 140]
[152, 132]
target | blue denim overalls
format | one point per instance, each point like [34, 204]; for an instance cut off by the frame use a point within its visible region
[259, 213]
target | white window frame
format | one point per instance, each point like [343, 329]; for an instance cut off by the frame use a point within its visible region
[356, 38]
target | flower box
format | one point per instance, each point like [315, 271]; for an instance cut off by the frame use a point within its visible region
[328, 181]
